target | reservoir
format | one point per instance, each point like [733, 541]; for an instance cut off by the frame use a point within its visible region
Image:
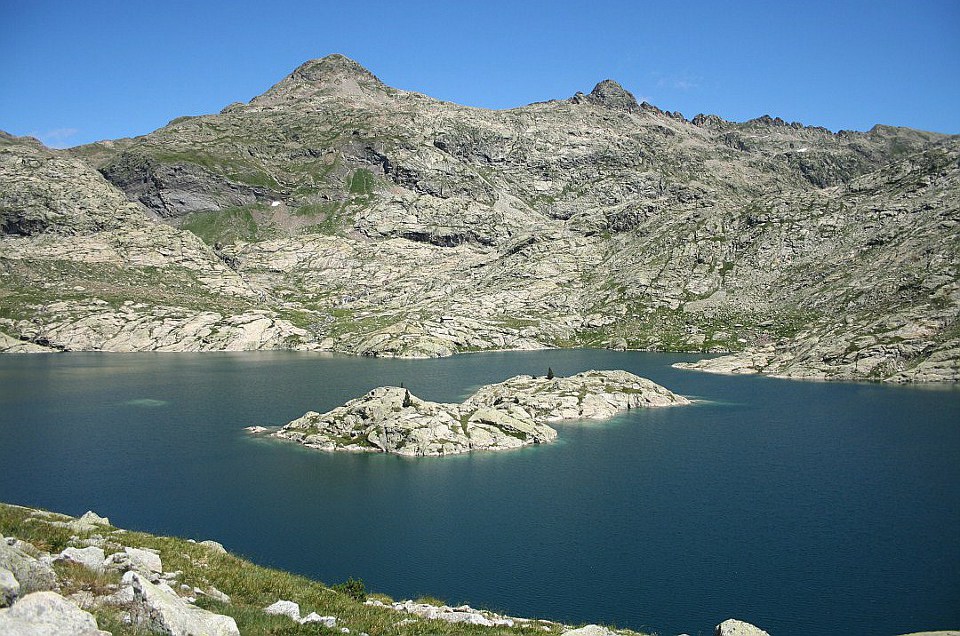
[801, 507]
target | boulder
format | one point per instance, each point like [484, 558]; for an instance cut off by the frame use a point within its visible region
[214, 593]
[214, 546]
[90, 557]
[733, 627]
[88, 522]
[9, 588]
[145, 562]
[163, 611]
[32, 574]
[284, 608]
[47, 614]
[326, 621]
[589, 630]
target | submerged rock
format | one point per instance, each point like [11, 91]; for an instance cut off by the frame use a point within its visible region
[499, 416]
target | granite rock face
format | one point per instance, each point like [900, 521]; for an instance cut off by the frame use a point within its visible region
[500, 416]
[163, 611]
[734, 627]
[31, 574]
[341, 214]
[47, 614]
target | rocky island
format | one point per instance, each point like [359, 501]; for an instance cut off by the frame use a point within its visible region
[500, 416]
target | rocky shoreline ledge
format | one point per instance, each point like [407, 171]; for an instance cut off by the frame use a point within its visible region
[501, 416]
[84, 577]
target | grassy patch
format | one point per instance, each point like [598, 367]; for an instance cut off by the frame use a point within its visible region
[225, 226]
[362, 182]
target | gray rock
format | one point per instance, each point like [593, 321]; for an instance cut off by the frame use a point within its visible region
[734, 627]
[164, 611]
[589, 630]
[9, 588]
[47, 614]
[284, 608]
[90, 557]
[213, 593]
[214, 546]
[32, 574]
[88, 522]
[144, 560]
[326, 621]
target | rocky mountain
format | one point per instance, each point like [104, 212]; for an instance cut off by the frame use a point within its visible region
[338, 213]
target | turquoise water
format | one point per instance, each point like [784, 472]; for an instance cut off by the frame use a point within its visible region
[801, 507]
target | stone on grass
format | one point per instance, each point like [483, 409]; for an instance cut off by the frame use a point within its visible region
[144, 560]
[313, 617]
[214, 546]
[90, 557]
[160, 610]
[733, 627]
[47, 614]
[284, 608]
[589, 630]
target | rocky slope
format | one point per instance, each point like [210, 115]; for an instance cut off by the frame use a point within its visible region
[83, 268]
[500, 416]
[371, 220]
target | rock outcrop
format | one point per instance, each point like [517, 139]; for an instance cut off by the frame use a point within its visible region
[166, 612]
[145, 594]
[734, 627]
[338, 213]
[47, 614]
[500, 416]
[31, 574]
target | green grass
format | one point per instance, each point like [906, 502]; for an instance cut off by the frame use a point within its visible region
[362, 182]
[23, 294]
[235, 169]
[226, 226]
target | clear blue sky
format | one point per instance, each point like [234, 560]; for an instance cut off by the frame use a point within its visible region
[75, 71]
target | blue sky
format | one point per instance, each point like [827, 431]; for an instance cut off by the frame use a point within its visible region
[76, 71]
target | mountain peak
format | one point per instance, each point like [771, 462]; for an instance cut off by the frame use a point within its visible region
[332, 68]
[611, 94]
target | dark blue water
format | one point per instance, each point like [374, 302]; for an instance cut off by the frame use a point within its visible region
[800, 507]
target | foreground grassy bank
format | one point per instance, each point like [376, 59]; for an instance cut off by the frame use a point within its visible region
[250, 587]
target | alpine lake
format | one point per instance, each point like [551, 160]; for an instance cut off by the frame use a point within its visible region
[801, 507]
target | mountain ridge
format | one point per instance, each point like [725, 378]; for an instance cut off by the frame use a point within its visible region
[379, 221]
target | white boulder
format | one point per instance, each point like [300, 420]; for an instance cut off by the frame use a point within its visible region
[733, 627]
[47, 614]
[165, 612]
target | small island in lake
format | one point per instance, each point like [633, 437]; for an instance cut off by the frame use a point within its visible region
[501, 416]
